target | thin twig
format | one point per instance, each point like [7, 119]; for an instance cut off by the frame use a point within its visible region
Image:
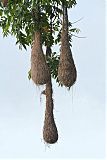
[77, 20]
[77, 36]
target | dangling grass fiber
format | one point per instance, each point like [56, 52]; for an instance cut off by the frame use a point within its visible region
[67, 73]
[39, 68]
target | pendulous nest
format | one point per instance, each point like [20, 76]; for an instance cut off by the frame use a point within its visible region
[50, 133]
[39, 68]
[67, 73]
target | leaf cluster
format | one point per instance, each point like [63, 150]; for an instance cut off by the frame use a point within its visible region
[21, 18]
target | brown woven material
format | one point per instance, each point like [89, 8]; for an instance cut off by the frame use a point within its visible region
[67, 73]
[50, 133]
[39, 68]
[5, 2]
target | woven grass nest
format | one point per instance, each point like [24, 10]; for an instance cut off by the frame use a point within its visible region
[50, 133]
[39, 68]
[67, 73]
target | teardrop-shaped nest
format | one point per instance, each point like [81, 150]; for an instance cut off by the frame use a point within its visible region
[39, 68]
[67, 73]
[50, 133]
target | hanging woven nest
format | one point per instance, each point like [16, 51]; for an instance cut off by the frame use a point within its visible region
[50, 133]
[67, 73]
[39, 68]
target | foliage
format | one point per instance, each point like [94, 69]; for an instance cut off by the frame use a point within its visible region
[21, 19]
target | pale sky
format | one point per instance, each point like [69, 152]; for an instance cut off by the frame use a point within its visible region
[79, 113]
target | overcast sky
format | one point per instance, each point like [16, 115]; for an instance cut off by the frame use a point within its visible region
[79, 113]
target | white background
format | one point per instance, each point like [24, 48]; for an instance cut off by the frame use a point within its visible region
[79, 113]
